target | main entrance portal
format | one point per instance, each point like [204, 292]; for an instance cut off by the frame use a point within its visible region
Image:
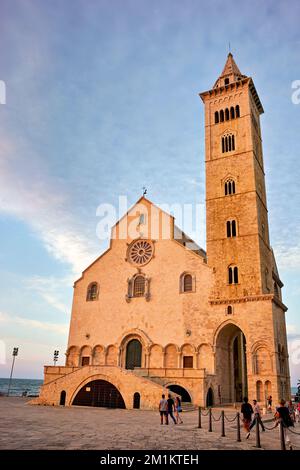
[231, 364]
[133, 354]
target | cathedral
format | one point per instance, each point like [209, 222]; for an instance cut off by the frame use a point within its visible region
[157, 314]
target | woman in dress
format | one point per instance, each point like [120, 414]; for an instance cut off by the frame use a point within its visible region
[178, 409]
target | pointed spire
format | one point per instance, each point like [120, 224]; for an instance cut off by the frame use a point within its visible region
[231, 73]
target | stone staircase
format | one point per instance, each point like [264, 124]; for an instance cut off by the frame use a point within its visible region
[187, 406]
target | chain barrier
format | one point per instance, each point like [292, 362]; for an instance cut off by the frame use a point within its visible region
[223, 417]
[217, 419]
[230, 420]
[294, 432]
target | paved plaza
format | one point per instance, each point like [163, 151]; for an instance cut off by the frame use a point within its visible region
[23, 426]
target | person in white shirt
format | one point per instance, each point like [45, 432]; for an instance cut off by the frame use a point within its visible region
[256, 418]
[163, 410]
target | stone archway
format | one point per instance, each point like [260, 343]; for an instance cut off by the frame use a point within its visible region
[231, 364]
[209, 397]
[185, 396]
[100, 393]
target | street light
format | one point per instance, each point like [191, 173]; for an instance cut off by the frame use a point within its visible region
[55, 357]
[15, 353]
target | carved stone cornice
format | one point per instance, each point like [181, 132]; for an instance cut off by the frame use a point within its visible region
[250, 298]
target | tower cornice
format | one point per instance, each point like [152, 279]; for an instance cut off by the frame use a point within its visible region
[215, 92]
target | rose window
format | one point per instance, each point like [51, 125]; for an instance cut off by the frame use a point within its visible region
[140, 252]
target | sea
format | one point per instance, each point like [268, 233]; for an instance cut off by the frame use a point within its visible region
[18, 386]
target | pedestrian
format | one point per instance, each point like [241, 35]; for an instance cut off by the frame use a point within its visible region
[171, 408]
[292, 411]
[297, 413]
[247, 411]
[283, 416]
[178, 409]
[269, 400]
[163, 410]
[256, 418]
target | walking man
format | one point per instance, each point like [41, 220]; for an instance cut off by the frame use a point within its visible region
[163, 410]
[256, 418]
[247, 411]
[171, 408]
[282, 415]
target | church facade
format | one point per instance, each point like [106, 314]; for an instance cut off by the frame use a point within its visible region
[156, 313]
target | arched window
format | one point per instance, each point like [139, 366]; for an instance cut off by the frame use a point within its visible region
[92, 291]
[232, 115]
[229, 187]
[228, 143]
[233, 275]
[229, 310]
[226, 81]
[221, 115]
[139, 286]
[187, 283]
[216, 117]
[237, 111]
[226, 114]
[231, 228]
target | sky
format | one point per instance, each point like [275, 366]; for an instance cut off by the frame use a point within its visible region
[101, 100]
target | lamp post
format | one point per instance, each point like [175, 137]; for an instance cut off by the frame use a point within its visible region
[15, 353]
[55, 357]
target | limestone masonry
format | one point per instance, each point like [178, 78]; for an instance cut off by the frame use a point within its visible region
[155, 313]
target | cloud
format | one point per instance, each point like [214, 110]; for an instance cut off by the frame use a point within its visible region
[61, 329]
[52, 290]
[45, 206]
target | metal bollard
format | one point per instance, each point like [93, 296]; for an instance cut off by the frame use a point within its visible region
[257, 434]
[238, 427]
[209, 421]
[223, 423]
[282, 436]
[199, 417]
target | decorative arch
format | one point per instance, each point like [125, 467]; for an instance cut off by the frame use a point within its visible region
[205, 357]
[111, 355]
[268, 388]
[98, 357]
[85, 355]
[171, 352]
[156, 358]
[188, 353]
[261, 358]
[259, 390]
[73, 354]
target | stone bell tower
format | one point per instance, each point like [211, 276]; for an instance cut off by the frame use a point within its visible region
[236, 209]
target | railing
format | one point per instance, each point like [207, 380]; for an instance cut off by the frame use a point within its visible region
[223, 418]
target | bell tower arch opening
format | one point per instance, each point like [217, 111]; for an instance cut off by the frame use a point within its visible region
[231, 364]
